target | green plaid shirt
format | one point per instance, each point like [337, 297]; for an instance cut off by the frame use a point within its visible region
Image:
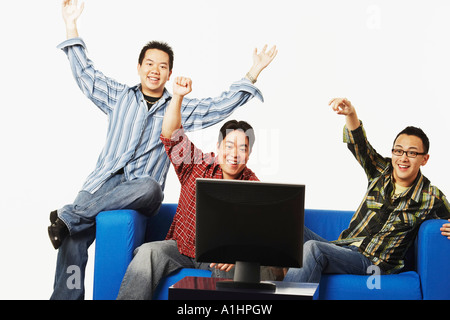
[388, 225]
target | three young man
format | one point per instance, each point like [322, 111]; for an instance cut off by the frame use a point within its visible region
[132, 167]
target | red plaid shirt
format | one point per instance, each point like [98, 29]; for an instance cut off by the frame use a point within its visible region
[190, 163]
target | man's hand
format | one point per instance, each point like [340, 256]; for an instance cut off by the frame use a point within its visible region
[344, 107]
[182, 86]
[445, 230]
[71, 12]
[261, 61]
[222, 266]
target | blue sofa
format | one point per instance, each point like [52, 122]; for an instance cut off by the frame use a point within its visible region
[427, 277]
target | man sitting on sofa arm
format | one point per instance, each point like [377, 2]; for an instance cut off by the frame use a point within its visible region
[399, 198]
[154, 260]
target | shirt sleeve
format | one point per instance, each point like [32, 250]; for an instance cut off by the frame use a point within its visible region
[201, 113]
[101, 90]
[183, 154]
[371, 161]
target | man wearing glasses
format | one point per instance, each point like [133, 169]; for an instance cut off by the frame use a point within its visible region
[399, 198]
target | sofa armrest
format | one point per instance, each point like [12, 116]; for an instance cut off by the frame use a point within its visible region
[119, 232]
[433, 260]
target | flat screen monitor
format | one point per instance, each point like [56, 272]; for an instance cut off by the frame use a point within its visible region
[249, 224]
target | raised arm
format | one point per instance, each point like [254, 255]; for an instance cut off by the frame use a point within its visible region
[344, 107]
[172, 118]
[71, 12]
[202, 113]
[260, 62]
[355, 136]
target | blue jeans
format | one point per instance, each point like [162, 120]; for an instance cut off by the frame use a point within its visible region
[321, 256]
[144, 195]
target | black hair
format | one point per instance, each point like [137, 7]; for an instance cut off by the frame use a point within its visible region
[414, 131]
[237, 125]
[163, 46]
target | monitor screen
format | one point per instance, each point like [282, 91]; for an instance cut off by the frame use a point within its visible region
[250, 222]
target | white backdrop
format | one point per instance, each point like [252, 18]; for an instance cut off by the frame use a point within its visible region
[390, 58]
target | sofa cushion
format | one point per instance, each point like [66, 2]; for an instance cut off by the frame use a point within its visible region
[327, 223]
[159, 224]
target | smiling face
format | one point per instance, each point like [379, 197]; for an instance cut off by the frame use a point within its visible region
[405, 168]
[154, 72]
[233, 153]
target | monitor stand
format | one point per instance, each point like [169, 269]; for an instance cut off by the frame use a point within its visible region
[246, 277]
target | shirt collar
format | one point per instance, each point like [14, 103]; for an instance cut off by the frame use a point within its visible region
[415, 192]
[417, 188]
[164, 98]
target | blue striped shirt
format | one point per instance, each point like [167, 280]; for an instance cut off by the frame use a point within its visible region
[132, 141]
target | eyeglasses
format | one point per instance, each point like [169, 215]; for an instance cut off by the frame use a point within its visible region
[409, 154]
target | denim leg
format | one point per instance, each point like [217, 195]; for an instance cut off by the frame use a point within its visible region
[71, 265]
[151, 262]
[321, 256]
[143, 194]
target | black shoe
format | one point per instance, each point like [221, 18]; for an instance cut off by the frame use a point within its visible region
[57, 231]
[53, 216]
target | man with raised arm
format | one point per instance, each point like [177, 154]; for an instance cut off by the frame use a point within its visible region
[154, 260]
[132, 167]
[398, 199]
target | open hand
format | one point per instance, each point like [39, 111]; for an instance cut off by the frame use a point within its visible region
[70, 10]
[261, 61]
[264, 58]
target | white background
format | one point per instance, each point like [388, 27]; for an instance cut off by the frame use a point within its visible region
[390, 58]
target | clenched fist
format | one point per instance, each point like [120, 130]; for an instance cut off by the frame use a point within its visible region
[182, 86]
